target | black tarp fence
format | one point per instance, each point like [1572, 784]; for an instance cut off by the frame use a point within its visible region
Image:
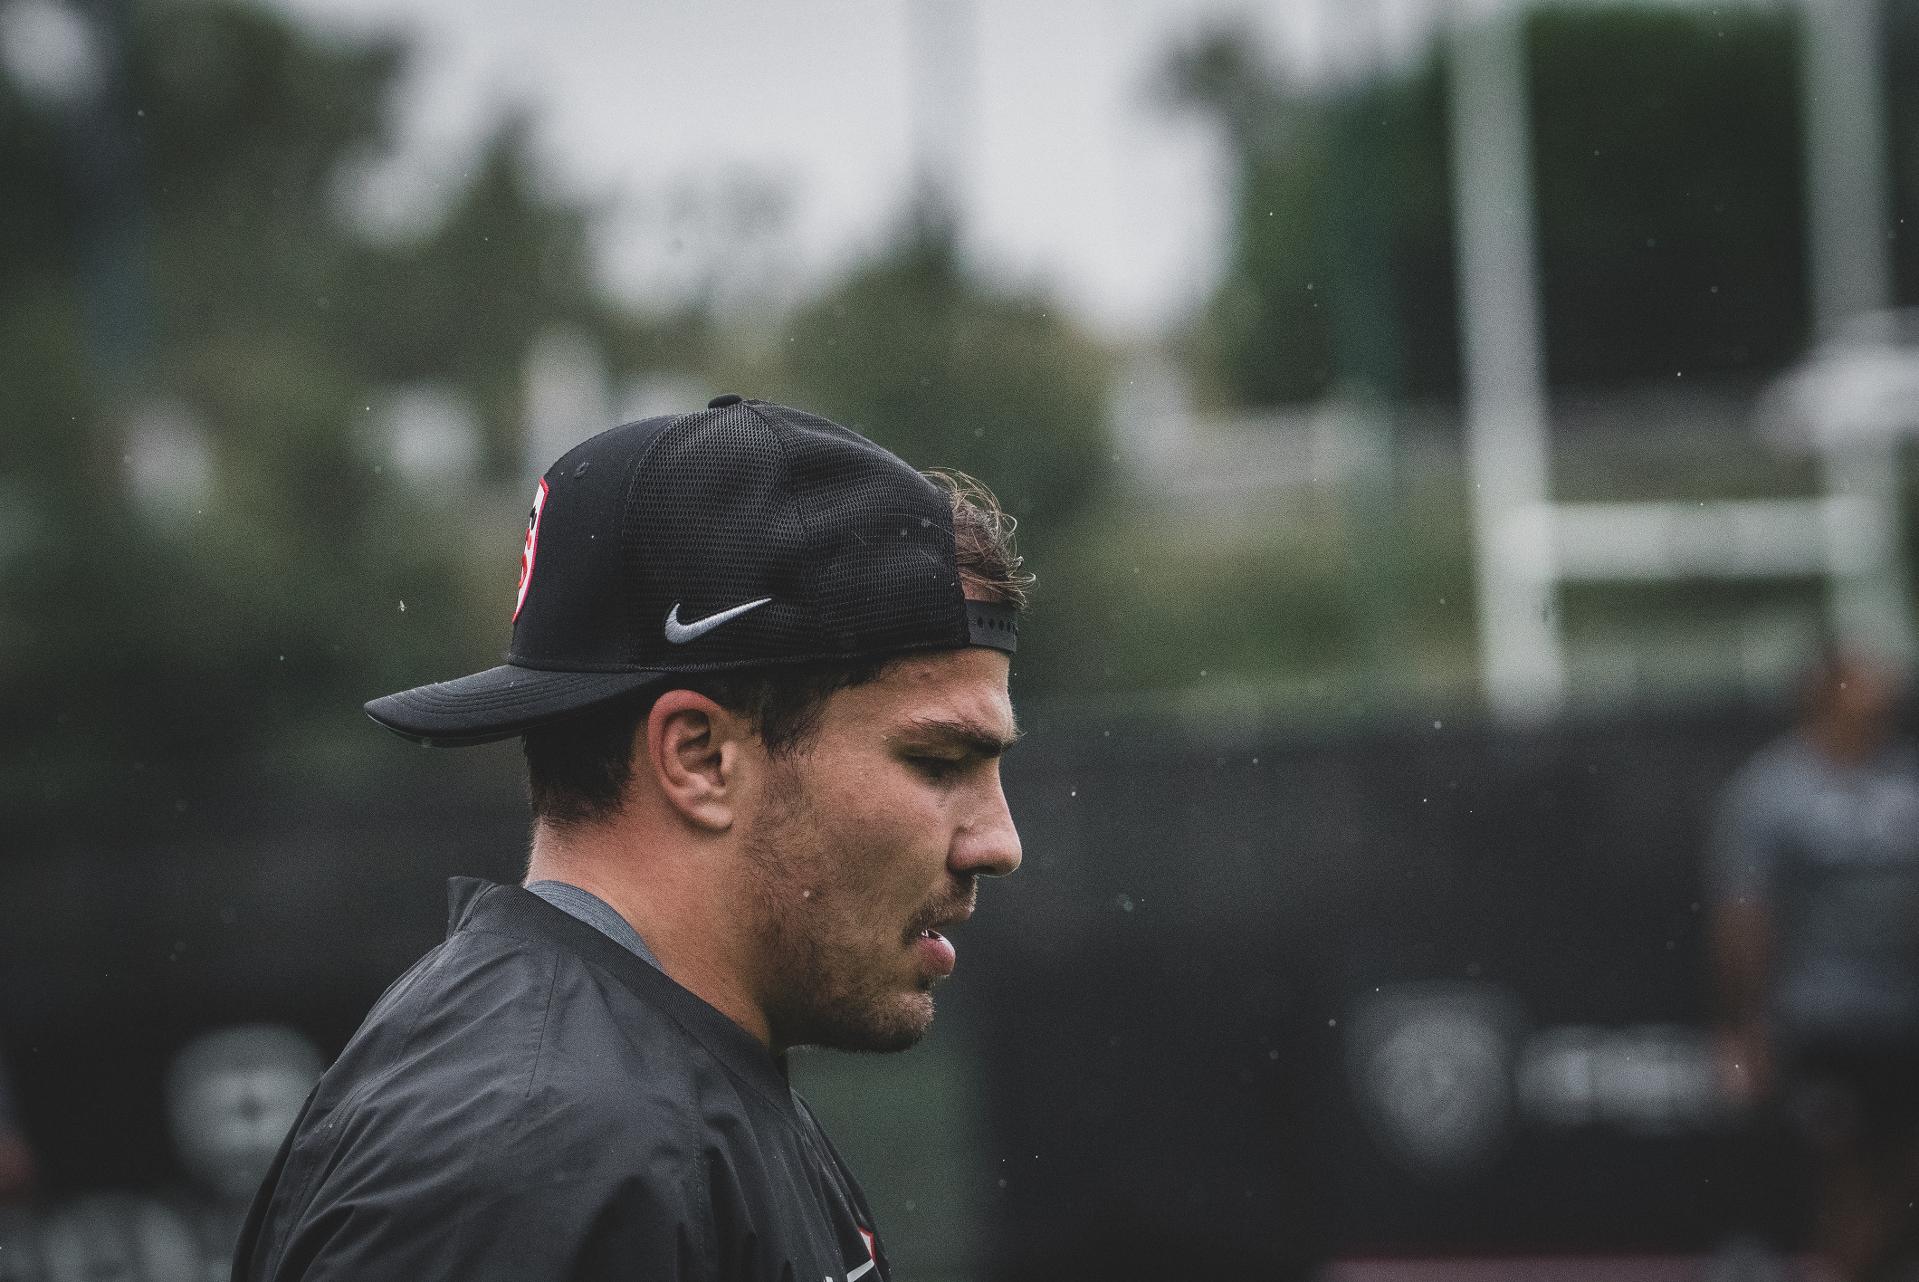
[1430, 989]
[1425, 987]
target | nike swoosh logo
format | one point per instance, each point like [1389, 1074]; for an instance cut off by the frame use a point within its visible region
[680, 633]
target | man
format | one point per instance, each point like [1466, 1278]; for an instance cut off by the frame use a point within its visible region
[1814, 877]
[759, 665]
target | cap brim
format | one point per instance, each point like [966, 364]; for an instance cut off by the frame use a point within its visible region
[499, 703]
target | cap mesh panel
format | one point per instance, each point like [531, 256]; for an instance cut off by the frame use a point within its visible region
[709, 527]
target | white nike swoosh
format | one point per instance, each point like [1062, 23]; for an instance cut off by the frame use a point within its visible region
[860, 1272]
[680, 633]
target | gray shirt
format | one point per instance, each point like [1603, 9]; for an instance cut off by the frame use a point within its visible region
[597, 913]
[1831, 850]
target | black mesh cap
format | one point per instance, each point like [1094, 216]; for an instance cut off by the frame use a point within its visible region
[747, 535]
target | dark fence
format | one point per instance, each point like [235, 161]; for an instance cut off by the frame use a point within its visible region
[1438, 990]
[1421, 989]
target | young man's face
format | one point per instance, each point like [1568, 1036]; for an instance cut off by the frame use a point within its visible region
[868, 846]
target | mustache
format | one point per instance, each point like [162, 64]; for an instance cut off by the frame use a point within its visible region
[961, 905]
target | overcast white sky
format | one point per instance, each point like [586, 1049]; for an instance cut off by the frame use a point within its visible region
[1066, 168]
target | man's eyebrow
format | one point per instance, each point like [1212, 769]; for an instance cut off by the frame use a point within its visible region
[970, 735]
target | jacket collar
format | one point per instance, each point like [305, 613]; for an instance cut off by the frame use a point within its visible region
[473, 903]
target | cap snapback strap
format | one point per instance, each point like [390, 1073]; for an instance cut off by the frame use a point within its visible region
[992, 625]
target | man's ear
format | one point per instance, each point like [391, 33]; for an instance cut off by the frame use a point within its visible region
[693, 748]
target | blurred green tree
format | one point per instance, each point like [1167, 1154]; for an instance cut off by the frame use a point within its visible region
[1902, 87]
[951, 372]
[203, 546]
[1667, 176]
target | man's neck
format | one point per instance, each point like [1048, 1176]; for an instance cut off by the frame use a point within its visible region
[669, 899]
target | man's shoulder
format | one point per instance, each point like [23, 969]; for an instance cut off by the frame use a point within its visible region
[503, 1098]
[509, 1034]
[486, 1122]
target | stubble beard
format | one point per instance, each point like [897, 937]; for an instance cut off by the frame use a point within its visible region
[821, 987]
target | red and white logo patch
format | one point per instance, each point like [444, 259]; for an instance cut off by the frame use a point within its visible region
[532, 548]
[872, 1258]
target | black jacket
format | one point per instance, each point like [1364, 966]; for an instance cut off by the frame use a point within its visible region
[532, 1101]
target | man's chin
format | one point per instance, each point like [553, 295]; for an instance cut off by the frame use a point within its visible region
[896, 1025]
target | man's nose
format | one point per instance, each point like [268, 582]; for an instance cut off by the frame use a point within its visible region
[988, 844]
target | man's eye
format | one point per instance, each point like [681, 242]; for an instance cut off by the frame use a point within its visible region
[936, 767]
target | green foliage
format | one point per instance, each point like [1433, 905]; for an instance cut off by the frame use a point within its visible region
[1902, 75]
[182, 253]
[1341, 243]
[466, 301]
[1264, 338]
[1667, 177]
[1141, 600]
[185, 247]
[1667, 161]
[950, 373]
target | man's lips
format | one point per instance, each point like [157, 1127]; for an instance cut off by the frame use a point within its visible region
[932, 945]
[943, 922]
[936, 950]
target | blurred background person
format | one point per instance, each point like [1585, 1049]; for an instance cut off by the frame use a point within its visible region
[232, 1095]
[1814, 876]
